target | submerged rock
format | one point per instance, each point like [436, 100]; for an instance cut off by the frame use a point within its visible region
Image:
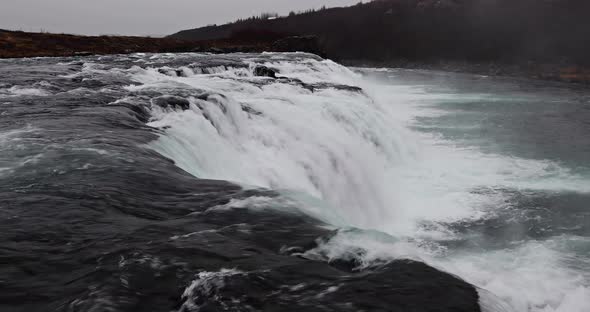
[172, 102]
[263, 71]
[321, 86]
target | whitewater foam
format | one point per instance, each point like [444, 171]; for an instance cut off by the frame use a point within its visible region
[206, 285]
[530, 276]
[352, 159]
[11, 143]
[16, 91]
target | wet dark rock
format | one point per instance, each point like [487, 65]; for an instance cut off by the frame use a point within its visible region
[250, 110]
[172, 102]
[263, 71]
[407, 286]
[320, 86]
[140, 112]
[400, 286]
[164, 71]
[216, 50]
[215, 98]
[174, 72]
[293, 81]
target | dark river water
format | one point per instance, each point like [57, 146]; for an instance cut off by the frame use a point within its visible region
[192, 182]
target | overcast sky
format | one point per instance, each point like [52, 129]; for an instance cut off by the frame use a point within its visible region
[138, 17]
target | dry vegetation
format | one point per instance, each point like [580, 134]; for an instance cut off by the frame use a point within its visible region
[22, 44]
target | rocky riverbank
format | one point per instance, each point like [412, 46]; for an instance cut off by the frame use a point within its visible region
[18, 44]
[552, 72]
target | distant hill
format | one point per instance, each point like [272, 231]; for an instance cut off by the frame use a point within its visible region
[25, 44]
[505, 31]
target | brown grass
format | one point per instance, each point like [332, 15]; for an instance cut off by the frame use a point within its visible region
[22, 44]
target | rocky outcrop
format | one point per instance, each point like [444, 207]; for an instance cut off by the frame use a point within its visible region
[263, 71]
[172, 102]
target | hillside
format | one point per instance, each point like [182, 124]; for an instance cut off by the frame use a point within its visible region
[523, 32]
[17, 44]
[24, 44]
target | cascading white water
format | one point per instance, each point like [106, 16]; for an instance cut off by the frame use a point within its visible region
[301, 140]
[351, 159]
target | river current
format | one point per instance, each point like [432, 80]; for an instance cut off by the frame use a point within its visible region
[247, 182]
